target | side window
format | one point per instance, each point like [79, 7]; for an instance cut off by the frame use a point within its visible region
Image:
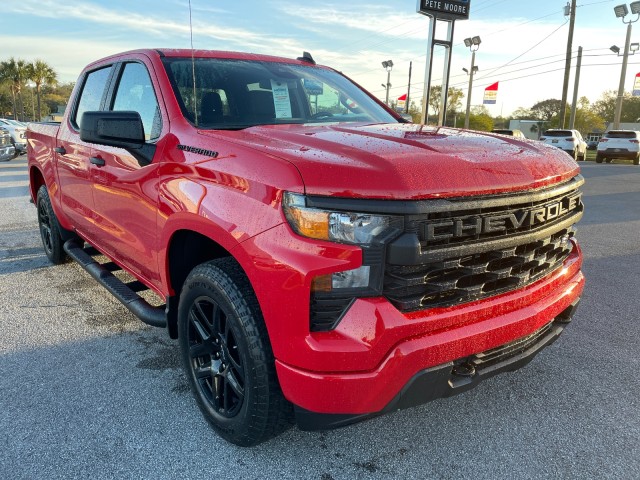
[92, 92]
[135, 93]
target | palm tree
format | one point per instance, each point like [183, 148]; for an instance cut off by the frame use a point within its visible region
[41, 73]
[15, 72]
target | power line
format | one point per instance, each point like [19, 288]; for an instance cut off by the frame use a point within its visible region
[526, 51]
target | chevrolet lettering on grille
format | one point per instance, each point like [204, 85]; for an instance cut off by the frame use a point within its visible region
[475, 225]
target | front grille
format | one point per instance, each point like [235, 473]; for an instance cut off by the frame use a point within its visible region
[474, 249]
[472, 277]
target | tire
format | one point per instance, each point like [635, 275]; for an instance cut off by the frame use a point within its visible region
[636, 161]
[599, 158]
[49, 228]
[227, 355]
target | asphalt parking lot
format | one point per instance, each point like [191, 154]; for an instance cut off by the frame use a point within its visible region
[88, 391]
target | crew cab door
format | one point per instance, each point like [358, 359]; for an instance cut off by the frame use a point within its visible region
[125, 187]
[73, 155]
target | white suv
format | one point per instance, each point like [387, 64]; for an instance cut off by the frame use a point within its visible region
[568, 140]
[619, 144]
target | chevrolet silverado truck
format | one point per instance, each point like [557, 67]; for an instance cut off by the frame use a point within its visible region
[317, 258]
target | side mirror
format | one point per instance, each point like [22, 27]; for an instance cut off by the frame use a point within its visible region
[114, 129]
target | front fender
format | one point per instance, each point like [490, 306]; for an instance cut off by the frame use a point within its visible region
[227, 214]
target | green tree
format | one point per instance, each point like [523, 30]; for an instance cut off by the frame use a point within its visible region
[546, 109]
[587, 120]
[479, 119]
[454, 100]
[41, 74]
[55, 97]
[522, 114]
[605, 107]
[15, 73]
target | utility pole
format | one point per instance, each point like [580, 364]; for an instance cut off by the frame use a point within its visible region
[406, 106]
[567, 65]
[574, 105]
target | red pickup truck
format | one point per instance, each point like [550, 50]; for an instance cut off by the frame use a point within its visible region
[315, 255]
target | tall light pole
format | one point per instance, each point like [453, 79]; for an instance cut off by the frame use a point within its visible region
[570, 10]
[621, 12]
[473, 44]
[388, 65]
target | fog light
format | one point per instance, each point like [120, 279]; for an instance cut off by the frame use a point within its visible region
[357, 278]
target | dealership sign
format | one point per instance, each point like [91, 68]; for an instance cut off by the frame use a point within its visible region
[491, 94]
[636, 86]
[447, 9]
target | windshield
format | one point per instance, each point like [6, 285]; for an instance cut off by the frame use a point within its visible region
[234, 94]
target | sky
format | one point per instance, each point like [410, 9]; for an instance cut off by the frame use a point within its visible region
[523, 45]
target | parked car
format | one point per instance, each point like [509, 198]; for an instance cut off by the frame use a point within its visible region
[619, 144]
[512, 133]
[18, 134]
[7, 150]
[570, 141]
[592, 144]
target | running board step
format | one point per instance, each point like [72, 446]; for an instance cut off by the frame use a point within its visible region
[154, 316]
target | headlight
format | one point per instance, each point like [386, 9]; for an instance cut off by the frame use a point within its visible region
[342, 227]
[332, 294]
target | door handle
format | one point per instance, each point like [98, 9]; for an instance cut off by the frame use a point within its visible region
[60, 150]
[97, 161]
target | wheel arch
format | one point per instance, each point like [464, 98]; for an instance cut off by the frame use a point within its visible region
[187, 249]
[36, 180]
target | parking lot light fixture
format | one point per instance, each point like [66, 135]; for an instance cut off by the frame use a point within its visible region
[635, 7]
[621, 11]
[615, 49]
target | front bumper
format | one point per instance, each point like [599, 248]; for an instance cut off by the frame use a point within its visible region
[20, 147]
[402, 347]
[618, 153]
[7, 153]
[452, 378]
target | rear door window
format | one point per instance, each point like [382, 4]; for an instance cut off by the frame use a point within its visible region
[92, 92]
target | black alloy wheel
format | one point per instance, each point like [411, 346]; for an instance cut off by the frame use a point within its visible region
[227, 354]
[49, 229]
[215, 358]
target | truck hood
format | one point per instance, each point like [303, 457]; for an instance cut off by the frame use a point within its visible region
[407, 161]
